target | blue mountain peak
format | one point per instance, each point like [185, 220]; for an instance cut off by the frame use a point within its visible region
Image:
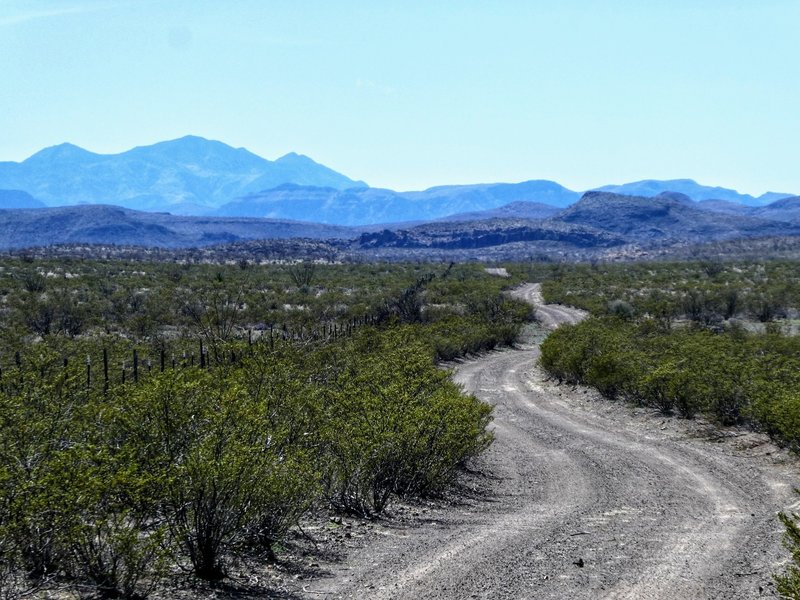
[65, 151]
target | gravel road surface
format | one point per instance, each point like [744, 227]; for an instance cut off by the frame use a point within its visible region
[579, 497]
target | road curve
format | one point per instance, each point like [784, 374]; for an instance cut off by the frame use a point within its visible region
[588, 501]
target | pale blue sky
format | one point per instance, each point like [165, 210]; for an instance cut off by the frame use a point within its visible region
[418, 93]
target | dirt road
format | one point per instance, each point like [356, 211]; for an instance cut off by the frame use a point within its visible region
[586, 499]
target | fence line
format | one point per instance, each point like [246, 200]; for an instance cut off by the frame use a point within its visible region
[141, 367]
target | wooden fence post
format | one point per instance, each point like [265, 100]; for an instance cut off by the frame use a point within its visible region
[105, 370]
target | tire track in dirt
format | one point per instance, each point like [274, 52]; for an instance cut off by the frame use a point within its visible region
[588, 503]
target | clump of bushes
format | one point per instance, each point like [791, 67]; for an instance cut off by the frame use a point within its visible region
[788, 582]
[395, 426]
[111, 487]
[703, 292]
[734, 377]
[158, 418]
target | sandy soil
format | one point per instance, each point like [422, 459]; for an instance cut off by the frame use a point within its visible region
[577, 498]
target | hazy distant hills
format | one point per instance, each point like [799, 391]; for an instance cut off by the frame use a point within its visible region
[18, 199]
[99, 224]
[187, 175]
[373, 205]
[323, 205]
[236, 196]
[599, 222]
[666, 219]
[196, 176]
[514, 210]
[492, 195]
[651, 187]
[786, 209]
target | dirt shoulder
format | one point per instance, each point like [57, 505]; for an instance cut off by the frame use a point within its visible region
[577, 498]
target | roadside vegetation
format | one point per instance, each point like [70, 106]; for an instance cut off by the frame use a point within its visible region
[157, 419]
[705, 338]
[687, 338]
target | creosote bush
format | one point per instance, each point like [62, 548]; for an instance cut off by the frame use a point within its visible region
[788, 582]
[397, 426]
[734, 377]
[126, 454]
[192, 466]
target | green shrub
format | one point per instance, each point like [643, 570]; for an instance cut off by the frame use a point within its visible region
[112, 475]
[229, 473]
[788, 582]
[395, 423]
[731, 377]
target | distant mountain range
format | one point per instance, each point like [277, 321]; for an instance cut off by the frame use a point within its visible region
[600, 222]
[373, 205]
[18, 199]
[665, 219]
[196, 176]
[190, 175]
[112, 225]
[652, 187]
